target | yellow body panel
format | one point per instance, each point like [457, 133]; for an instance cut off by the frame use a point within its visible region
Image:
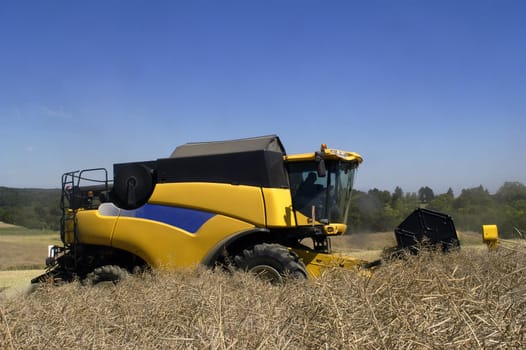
[69, 227]
[303, 220]
[96, 228]
[316, 263]
[331, 229]
[329, 153]
[335, 229]
[490, 233]
[237, 201]
[165, 246]
[490, 236]
[279, 211]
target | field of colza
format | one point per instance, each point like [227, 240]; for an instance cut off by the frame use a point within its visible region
[471, 299]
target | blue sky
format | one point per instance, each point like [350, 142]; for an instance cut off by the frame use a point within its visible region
[431, 93]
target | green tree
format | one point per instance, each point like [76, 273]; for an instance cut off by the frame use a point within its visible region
[442, 203]
[510, 192]
[32, 208]
[511, 199]
[425, 194]
[473, 198]
[397, 197]
[473, 208]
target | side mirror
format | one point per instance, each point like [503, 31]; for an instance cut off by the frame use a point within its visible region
[322, 171]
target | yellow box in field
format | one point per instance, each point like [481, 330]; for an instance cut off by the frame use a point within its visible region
[490, 233]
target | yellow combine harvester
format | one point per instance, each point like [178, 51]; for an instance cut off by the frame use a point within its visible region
[242, 204]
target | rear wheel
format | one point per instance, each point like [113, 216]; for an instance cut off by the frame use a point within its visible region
[271, 262]
[106, 273]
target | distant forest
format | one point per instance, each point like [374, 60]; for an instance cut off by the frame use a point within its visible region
[378, 210]
[371, 211]
[31, 208]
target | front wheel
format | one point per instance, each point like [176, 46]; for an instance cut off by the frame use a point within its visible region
[271, 262]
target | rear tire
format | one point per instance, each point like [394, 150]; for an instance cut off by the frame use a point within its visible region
[271, 262]
[106, 273]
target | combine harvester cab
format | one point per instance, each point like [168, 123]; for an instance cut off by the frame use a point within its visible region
[242, 204]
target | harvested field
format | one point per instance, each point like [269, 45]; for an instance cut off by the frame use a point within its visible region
[17, 281]
[4, 225]
[467, 300]
[22, 248]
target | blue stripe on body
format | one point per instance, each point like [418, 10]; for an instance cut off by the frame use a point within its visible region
[188, 219]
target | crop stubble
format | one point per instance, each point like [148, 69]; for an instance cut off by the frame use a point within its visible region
[465, 300]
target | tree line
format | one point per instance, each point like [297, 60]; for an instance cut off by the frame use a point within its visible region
[378, 210]
[31, 208]
[372, 211]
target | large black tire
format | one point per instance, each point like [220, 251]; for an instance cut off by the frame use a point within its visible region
[271, 262]
[106, 273]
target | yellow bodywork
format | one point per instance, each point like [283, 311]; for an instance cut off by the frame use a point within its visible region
[329, 153]
[331, 229]
[158, 244]
[259, 206]
[278, 205]
[237, 201]
[162, 244]
[316, 263]
[167, 246]
[490, 236]
[95, 229]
